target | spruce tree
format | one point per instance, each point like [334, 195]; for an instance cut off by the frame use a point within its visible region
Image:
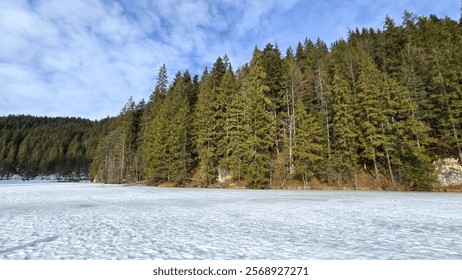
[210, 122]
[227, 93]
[308, 146]
[257, 124]
[179, 127]
[410, 139]
[370, 109]
[295, 89]
[344, 128]
[273, 66]
[154, 125]
[236, 146]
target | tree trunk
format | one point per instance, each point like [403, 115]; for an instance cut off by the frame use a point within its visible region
[390, 170]
[376, 170]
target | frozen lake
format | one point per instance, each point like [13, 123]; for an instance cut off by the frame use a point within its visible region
[91, 221]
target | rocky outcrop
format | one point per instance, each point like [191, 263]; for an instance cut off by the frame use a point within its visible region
[449, 172]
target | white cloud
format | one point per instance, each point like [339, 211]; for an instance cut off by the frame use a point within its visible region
[75, 54]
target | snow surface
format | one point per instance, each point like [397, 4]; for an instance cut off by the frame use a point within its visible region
[91, 221]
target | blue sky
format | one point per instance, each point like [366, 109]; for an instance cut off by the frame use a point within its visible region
[86, 58]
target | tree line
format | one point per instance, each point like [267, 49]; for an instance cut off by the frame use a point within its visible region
[32, 146]
[381, 103]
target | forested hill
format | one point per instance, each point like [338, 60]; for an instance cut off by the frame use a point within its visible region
[31, 146]
[373, 110]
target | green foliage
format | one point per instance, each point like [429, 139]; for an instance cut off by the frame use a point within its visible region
[235, 160]
[32, 146]
[344, 125]
[210, 121]
[257, 124]
[309, 148]
[170, 152]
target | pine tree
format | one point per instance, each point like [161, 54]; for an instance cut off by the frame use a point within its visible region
[179, 128]
[344, 129]
[156, 148]
[308, 146]
[388, 45]
[236, 161]
[412, 77]
[273, 66]
[161, 88]
[227, 93]
[295, 87]
[170, 148]
[410, 139]
[138, 140]
[153, 147]
[210, 122]
[258, 124]
[370, 109]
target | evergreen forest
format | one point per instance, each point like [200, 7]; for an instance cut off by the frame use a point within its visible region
[378, 107]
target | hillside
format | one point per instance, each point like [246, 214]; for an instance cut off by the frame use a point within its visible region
[31, 146]
[371, 111]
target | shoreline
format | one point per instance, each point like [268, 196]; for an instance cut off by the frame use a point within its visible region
[316, 185]
[324, 187]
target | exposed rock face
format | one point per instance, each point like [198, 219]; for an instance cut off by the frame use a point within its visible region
[449, 172]
[223, 175]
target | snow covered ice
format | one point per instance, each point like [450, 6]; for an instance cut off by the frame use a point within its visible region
[91, 221]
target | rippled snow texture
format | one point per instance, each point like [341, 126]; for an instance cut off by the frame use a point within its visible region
[90, 221]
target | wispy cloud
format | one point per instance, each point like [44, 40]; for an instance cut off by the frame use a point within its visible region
[85, 58]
